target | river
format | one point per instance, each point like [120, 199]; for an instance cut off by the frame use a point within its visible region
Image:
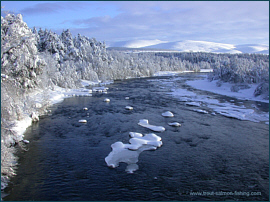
[210, 157]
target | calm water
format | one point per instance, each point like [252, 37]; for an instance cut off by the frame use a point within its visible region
[206, 155]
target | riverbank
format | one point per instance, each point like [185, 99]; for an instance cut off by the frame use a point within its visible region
[225, 89]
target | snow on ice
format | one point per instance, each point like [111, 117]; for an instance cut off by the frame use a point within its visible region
[82, 121]
[197, 104]
[175, 124]
[167, 114]
[135, 134]
[228, 109]
[225, 89]
[129, 153]
[144, 123]
[201, 111]
[129, 108]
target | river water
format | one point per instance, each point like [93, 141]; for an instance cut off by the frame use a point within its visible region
[210, 157]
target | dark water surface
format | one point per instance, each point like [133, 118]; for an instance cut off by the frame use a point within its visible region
[207, 158]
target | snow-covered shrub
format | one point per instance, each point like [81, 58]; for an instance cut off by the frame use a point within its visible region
[239, 86]
[219, 83]
[262, 89]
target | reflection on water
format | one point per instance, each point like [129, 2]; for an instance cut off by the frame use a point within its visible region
[208, 153]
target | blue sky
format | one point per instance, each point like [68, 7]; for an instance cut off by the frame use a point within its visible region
[233, 22]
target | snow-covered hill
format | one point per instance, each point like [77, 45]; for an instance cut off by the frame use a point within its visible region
[194, 46]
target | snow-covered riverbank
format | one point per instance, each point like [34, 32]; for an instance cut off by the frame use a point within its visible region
[41, 100]
[233, 108]
[225, 89]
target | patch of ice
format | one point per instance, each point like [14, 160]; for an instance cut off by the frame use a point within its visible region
[144, 123]
[228, 109]
[82, 121]
[100, 89]
[149, 139]
[201, 111]
[167, 73]
[225, 89]
[26, 141]
[167, 114]
[127, 98]
[182, 92]
[134, 134]
[206, 70]
[129, 153]
[129, 108]
[175, 124]
[85, 108]
[131, 168]
[107, 100]
[197, 104]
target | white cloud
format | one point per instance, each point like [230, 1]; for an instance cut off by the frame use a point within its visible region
[234, 22]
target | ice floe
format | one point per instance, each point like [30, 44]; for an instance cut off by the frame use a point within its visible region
[174, 124]
[85, 108]
[197, 104]
[26, 141]
[144, 123]
[82, 121]
[167, 114]
[135, 134]
[129, 153]
[101, 89]
[107, 100]
[201, 111]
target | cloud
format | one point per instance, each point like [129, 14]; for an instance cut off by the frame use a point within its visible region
[55, 7]
[218, 21]
[42, 8]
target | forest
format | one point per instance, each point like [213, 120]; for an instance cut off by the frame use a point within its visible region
[38, 60]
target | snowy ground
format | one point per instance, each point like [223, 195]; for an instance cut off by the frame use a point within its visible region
[52, 97]
[225, 89]
[173, 73]
[232, 108]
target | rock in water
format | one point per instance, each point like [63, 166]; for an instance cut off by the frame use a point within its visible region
[175, 124]
[168, 114]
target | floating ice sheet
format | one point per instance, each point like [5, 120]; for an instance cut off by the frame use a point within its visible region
[144, 123]
[201, 111]
[135, 134]
[129, 153]
[197, 104]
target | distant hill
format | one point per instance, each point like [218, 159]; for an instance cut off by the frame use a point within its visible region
[188, 46]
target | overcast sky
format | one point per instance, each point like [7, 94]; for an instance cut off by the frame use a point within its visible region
[233, 22]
